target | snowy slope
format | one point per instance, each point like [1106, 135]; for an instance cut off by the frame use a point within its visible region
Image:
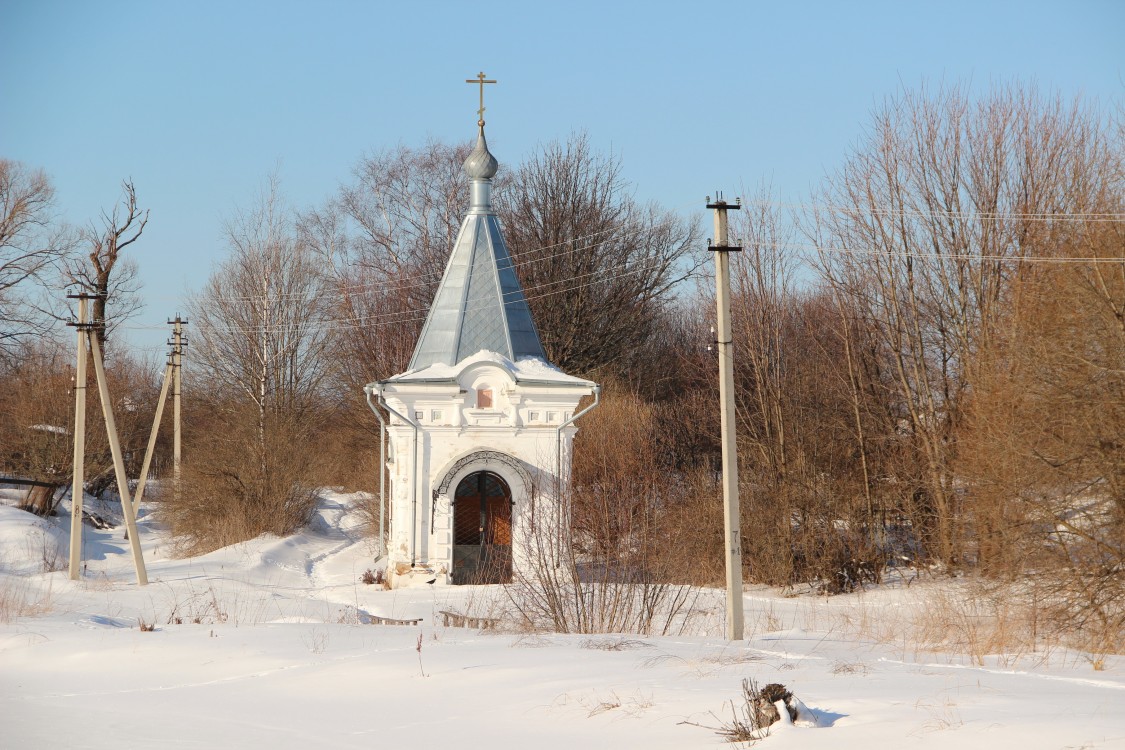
[284, 656]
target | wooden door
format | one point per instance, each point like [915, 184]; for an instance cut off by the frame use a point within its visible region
[482, 530]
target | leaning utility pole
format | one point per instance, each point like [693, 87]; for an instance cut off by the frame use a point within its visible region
[78, 482]
[721, 248]
[170, 367]
[118, 460]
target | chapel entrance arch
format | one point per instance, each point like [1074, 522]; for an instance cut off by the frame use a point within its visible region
[482, 529]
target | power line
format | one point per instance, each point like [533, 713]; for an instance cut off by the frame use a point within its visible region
[414, 315]
[425, 279]
[928, 256]
[1062, 216]
[419, 314]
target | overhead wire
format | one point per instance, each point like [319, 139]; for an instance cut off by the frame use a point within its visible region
[419, 314]
[932, 256]
[1062, 216]
[425, 279]
[428, 278]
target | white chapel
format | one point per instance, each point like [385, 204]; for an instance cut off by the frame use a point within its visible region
[480, 425]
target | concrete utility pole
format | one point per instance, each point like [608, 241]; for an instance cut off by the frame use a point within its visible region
[171, 372]
[142, 480]
[178, 343]
[731, 525]
[77, 487]
[118, 462]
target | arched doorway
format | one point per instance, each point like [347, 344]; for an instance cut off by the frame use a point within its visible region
[482, 530]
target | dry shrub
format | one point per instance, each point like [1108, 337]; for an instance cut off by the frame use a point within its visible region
[820, 545]
[1015, 620]
[1043, 452]
[36, 415]
[598, 561]
[350, 434]
[751, 722]
[238, 484]
[689, 536]
[978, 618]
[554, 592]
[835, 559]
[631, 509]
[17, 600]
[977, 621]
[37, 420]
[615, 473]
[350, 431]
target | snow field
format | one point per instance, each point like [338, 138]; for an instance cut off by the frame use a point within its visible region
[282, 656]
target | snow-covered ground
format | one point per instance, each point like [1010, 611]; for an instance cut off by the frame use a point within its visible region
[270, 644]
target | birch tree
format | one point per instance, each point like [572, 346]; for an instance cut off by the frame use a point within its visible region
[256, 364]
[261, 325]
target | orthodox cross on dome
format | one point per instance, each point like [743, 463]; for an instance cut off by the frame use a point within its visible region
[480, 80]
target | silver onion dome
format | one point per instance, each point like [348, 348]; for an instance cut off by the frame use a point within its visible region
[481, 164]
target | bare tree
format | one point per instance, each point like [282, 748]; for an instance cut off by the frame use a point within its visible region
[920, 231]
[262, 323]
[386, 239]
[597, 268]
[260, 357]
[104, 273]
[31, 243]
[1044, 458]
[763, 290]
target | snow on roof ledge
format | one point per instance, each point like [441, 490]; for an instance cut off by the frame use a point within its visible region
[527, 370]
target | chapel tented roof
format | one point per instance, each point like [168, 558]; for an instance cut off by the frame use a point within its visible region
[479, 304]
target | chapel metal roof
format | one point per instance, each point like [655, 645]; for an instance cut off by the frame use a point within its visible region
[479, 304]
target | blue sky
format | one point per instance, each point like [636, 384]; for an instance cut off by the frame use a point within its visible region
[198, 102]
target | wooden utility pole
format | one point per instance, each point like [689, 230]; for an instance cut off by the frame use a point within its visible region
[731, 525]
[118, 462]
[78, 482]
